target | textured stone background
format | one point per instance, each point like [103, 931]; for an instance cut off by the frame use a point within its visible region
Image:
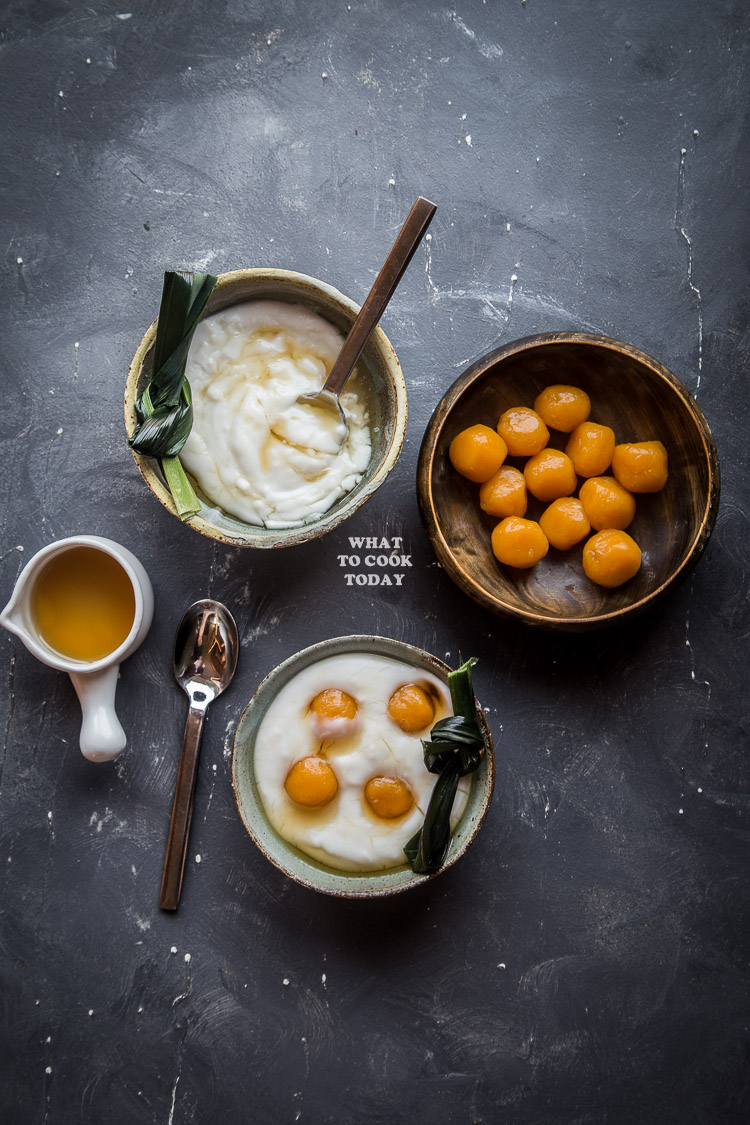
[588, 960]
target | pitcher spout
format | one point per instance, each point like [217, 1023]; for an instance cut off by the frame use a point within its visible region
[11, 618]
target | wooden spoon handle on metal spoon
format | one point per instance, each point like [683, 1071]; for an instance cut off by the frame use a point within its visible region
[401, 253]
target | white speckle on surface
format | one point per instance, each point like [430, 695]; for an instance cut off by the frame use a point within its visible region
[696, 133]
[19, 261]
[681, 811]
[188, 958]
[91, 1011]
[48, 1070]
[285, 981]
[501, 965]
[37, 1002]
[49, 815]
[59, 431]
[123, 15]
[173, 949]
[323, 980]
[88, 62]
[324, 75]
[467, 138]
[392, 182]
[699, 789]
[197, 859]
[507, 226]
[60, 94]
[48, 1039]
[463, 116]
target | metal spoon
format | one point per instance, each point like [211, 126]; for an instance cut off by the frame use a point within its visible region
[205, 657]
[326, 400]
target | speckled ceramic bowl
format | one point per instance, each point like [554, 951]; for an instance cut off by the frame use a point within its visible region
[290, 859]
[386, 403]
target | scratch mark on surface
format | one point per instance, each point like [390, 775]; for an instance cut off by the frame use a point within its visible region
[9, 717]
[689, 647]
[210, 798]
[211, 570]
[679, 221]
[228, 740]
[488, 50]
[431, 287]
[170, 1119]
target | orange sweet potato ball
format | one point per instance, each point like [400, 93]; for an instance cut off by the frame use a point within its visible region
[611, 558]
[411, 708]
[607, 503]
[523, 431]
[519, 542]
[641, 466]
[311, 782]
[562, 407]
[565, 523]
[477, 452]
[590, 448]
[549, 474]
[504, 494]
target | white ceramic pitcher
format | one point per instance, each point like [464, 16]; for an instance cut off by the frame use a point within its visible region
[102, 737]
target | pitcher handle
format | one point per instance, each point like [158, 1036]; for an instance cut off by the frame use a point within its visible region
[102, 737]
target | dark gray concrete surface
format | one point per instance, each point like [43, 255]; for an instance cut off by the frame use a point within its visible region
[587, 961]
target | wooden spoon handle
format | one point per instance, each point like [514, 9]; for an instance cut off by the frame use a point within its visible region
[182, 811]
[402, 252]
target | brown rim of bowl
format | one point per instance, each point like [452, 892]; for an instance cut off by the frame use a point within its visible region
[152, 477]
[359, 643]
[428, 452]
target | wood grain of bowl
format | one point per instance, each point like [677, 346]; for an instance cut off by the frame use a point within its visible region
[641, 400]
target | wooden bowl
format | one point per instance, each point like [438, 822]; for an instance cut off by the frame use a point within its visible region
[382, 379]
[641, 400]
[288, 858]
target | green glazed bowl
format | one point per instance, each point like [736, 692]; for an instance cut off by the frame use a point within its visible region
[289, 859]
[380, 374]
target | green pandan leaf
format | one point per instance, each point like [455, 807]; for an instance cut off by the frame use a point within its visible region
[164, 410]
[455, 748]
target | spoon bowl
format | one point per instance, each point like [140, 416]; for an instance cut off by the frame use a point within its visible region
[205, 651]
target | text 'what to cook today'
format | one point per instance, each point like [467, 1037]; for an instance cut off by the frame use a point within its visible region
[382, 559]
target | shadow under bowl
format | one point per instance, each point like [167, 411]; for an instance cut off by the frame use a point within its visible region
[641, 400]
[381, 380]
[289, 859]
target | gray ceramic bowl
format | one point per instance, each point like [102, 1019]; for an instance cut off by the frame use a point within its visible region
[291, 860]
[386, 402]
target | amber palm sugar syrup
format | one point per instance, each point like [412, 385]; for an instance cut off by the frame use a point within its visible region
[83, 603]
